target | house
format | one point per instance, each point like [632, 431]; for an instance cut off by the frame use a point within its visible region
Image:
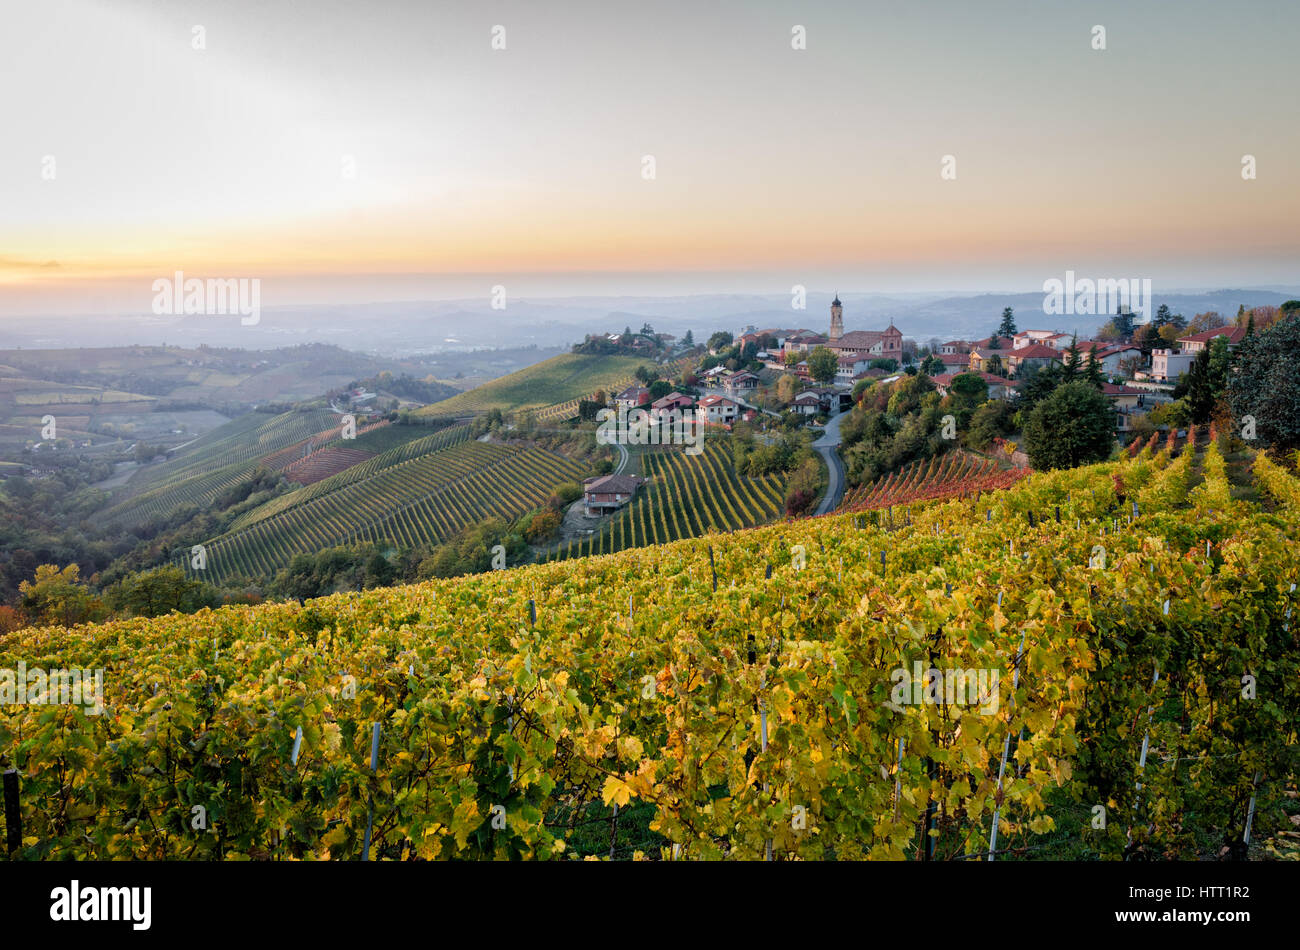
[953, 348]
[742, 382]
[718, 410]
[1036, 355]
[980, 359]
[802, 341]
[1129, 404]
[1168, 365]
[807, 403]
[1109, 355]
[955, 362]
[877, 344]
[1030, 337]
[1004, 343]
[849, 367]
[632, 398]
[670, 407]
[606, 493]
[1199, 341]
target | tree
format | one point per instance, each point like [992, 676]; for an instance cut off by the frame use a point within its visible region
[1123, 321]
[932, 366]
[1093, 372]
[823, 364]
[379, 572]
[1220, 365]
[1008, 325]
[688, 340]
[1109, 333]
[1071, 367]
[1169, 334]
[1073, 426]
[1210, 320]
[993, 342]
[660, 388]
[57, 596]
[1200, 388]
[1266, 385]
[994, 418]
[995, 364]
[967, 391]
[1145, 338]
[158, 592]
[786, 387]
[791, 358]
[720, 340]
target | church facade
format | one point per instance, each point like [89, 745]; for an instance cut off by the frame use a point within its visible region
[867, 344]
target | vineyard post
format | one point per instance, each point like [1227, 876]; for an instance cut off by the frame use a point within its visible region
[1006, 743]
[532, 613]
[762, 720]
[374, 768]
[713, 570]
[13, 814]
[1250, 812]
[898, 780]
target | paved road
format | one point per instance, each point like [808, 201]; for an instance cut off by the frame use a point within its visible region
[622, 458]
[827, 446]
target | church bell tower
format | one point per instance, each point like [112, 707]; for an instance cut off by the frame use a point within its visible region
[837, 320]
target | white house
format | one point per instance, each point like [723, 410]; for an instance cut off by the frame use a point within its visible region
[718, 409]
[1168, 365]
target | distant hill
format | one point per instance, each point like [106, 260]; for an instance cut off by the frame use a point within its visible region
[559, 379]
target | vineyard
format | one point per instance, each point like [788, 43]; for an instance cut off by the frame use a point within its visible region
[942, 476]
[728, 697]
[224, 457]
[420, 493]
[559, 380]
[686, 496]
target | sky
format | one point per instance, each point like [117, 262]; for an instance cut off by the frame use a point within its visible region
[129, 154]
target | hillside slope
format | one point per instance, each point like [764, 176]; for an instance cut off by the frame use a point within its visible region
[740, 693]
[560, 379]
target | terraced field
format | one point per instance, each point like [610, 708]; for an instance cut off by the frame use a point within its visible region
[420, 493]
[685, 496]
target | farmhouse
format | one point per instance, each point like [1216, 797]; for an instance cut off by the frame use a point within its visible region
[606, 493]
[632, 397]
[719, 409]
[670, 407]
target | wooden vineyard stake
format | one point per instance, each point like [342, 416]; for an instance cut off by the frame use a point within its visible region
[374, 768]
[1006, 742]
[13, 813]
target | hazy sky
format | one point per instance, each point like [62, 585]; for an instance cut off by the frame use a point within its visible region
[773, 166]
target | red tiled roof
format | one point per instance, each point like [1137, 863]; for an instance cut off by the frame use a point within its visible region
[1037, 351]
[612, 484]
[1234, 335]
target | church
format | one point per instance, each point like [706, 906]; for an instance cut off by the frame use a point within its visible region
[862, 344]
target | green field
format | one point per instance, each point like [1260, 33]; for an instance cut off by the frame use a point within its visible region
[559, 379]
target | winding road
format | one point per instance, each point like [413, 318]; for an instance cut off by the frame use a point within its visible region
[826, 446]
